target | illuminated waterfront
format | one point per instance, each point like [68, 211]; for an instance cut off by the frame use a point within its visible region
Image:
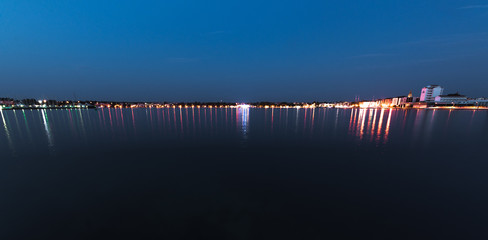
[266, 171]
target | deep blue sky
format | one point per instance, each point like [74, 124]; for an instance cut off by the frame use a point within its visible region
[185, 50]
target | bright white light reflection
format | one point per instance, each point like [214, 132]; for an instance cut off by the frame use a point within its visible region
[244, 115]
[7, 132]
[47, 128]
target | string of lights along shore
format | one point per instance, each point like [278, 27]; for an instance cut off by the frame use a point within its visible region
[431, 97]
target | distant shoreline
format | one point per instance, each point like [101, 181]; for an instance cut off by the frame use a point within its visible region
[250, 106]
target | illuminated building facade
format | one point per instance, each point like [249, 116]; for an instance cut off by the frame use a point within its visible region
[7, 102]
[455, 98]
[399, 101]
[479, 102]
[429, 93]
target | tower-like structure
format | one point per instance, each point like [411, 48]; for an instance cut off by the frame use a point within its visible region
[429, 93]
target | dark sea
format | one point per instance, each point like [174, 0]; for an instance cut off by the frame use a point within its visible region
[222, 173]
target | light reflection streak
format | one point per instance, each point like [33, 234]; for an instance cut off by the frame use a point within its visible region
[193, 119]
[374, 124]
[216, 118]
[166, 119]
[354, 120]
[387, 128]
[470, 121]
[151, 119]
[211, 119]
[205, 117]
[280, 121]
[7, 133]
[313, 120]
[100, 117]
[158, 114]
[356, 113]
[27, 126]
[82, 123]
[168, 116]
[72, 125]
[226, 121]
[174, 118]
[336, 120]
[122, 117]
[181, 121]
[17, 121]
[103, 116]
[286, 122]
[47, 128]
[103, 120]
[244, 115]
[380, 125]
[324, 120]
[272, 119]
[404, 120]
[449, 116]
[199, 119]
[187, 122]
[110, 118]
[134, 121]
[370, 115]
[362, 114]
[296, 121]
[116, 117]
[350, 120]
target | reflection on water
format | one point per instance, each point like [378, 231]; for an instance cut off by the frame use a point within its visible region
[7, 132]
[47, 128]
[387, 129]
[243, 173]
[367, 124]
[361, 126]
[243, 116]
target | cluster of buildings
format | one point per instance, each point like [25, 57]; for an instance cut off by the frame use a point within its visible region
[401, 101]
[431, 96]
[10, 103]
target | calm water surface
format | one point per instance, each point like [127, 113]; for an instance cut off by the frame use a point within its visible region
[207, 173]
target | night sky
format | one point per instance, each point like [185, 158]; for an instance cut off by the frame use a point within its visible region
[241, 50]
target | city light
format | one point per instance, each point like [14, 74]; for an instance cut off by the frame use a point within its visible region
[432, 95]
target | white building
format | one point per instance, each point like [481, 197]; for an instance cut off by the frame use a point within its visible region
[368, 104]
[399, 101]
[430, 92]
[478, 101]
[455, 98]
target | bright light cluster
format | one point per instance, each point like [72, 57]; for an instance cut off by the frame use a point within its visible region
[243, 106]
[368, 105]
